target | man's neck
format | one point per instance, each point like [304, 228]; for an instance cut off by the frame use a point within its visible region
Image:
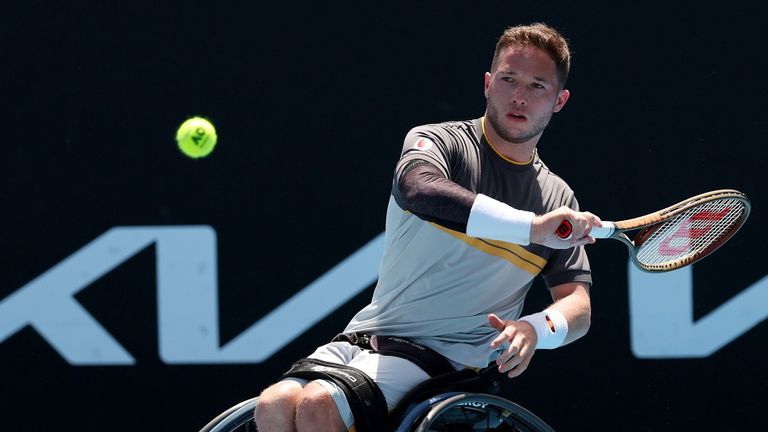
[520, 153]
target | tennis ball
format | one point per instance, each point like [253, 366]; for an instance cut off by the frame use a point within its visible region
[196, 137]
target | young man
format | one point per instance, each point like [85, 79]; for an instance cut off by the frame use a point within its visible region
[470, 223]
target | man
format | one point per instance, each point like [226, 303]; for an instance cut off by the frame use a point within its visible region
[471, 222]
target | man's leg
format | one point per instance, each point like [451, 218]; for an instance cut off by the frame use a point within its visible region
[276, 407]
[295, 406]
[316, 411]
[279, 405]
[292, 405]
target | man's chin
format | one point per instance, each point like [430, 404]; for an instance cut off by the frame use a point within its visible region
[516, 138]
[507, 133]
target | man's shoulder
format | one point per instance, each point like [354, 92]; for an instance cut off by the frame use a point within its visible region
[451, 125]
[449, 131]
[552, 184]
[546, 175]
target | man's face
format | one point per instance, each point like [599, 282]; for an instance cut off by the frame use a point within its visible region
[523, 93]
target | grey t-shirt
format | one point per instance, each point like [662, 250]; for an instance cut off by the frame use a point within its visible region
[437, 285]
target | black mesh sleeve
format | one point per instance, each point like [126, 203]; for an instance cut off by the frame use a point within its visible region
[424, 190]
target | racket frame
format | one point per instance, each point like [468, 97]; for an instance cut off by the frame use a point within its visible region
[648, 224]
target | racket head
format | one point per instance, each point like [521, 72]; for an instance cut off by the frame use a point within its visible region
[691, 230]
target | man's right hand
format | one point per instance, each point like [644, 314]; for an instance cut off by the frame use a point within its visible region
[544, 227]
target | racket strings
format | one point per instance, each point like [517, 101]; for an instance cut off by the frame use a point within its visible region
[691, 232]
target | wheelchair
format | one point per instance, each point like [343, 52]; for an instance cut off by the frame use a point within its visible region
[460, 401]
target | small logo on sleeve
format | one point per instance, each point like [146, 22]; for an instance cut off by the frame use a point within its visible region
[423, 144]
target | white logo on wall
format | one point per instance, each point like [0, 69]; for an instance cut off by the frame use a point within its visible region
[661, 313]
[187, 295]
[187, 300]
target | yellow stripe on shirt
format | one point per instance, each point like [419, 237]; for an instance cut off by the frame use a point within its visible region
[516, 254]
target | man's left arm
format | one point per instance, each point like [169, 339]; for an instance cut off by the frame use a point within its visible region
[572, 301]
[566, 320]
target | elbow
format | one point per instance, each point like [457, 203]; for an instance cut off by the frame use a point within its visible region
[587, 323]
[586, 318]
[412, 193]
[411, 196]
[583, 319]
[417, 184]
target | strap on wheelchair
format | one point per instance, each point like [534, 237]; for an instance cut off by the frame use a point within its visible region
[367, 403]
[429, 360]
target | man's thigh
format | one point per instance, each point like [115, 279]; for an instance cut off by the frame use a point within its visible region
[395, 376]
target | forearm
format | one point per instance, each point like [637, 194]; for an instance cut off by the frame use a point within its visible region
[427, 193]
[577, 312]
[565, 320]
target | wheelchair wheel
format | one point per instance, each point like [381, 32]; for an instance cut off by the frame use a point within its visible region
[238, 418]
[449, 412]
[474, 412]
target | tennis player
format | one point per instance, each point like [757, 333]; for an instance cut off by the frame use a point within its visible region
[471, 222]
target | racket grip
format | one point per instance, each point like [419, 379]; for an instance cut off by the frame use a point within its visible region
[603, 232]
[565, 230]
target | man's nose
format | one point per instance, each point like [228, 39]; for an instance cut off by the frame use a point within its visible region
[519, 96]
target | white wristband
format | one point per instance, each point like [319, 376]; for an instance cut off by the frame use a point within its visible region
[495, 220]
[551, 328]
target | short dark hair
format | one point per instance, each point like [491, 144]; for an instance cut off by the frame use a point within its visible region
[541, 36]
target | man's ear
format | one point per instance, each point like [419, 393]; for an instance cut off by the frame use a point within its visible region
[562, 98]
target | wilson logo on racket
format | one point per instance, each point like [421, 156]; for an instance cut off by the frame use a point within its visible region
[692, 229]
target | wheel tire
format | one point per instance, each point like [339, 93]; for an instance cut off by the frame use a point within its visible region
[238, 418]
[459, 410]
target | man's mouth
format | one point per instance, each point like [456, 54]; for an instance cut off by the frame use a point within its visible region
[516, 117]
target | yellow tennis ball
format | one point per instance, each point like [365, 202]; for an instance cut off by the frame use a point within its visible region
[196, 137]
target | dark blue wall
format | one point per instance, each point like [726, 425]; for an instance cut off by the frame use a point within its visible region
[311, 102]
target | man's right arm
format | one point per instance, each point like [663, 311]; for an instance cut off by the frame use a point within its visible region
[424, 190]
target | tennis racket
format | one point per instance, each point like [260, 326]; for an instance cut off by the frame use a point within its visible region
[678, 235]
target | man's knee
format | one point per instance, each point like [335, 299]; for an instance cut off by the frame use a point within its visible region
[277, 405]
[315, 406]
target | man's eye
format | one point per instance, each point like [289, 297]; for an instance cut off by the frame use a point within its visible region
[538, 86]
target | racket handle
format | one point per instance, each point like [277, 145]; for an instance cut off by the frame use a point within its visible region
[565, 230]
[603, 232]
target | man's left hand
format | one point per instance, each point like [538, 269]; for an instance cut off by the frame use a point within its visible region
[522, 344]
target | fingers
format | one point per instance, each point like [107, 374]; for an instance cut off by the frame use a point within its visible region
[499, 340]
[594, 220]
[520, 368]
[506, 357]
[545, 228]
[522, 339]
[583, 223]
[499, 325]
[515, 360]
[496, 322]
[588, 239]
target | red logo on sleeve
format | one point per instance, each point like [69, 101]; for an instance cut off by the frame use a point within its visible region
[423, 144]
